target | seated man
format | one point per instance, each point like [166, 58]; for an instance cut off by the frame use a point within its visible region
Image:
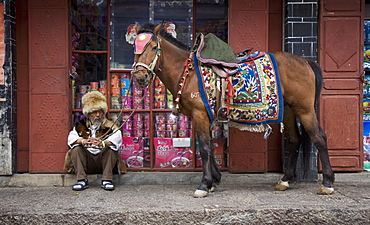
[94, 143]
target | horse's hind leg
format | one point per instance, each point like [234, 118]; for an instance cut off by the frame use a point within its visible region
[291, 145]
[318, 138]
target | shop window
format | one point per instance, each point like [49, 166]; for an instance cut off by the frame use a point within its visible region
[211, 17]
[102, 56]
[366, 93]
[89, 26]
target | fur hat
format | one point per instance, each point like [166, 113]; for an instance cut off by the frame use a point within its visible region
[93, 101]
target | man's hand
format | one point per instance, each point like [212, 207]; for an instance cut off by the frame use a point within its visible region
[92, 142]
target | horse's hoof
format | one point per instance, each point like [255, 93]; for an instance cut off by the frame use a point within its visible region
[325, 190]
[282, 185]
[213, 189]
[200, 194]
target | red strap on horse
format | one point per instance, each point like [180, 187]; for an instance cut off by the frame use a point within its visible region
[188, 66]
[230, 93]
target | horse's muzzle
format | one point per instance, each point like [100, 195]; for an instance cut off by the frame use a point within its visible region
[142, 77]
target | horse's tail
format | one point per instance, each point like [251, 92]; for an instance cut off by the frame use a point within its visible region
[306, 143]
[318, 75]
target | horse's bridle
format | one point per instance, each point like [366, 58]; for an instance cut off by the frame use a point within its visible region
[188, 66]
[151, 66]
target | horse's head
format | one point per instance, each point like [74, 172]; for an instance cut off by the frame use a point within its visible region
[147, 51]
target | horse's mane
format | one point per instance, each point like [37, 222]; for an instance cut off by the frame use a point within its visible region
[149, 27]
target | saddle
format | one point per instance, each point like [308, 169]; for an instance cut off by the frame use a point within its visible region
[220, 56]
[240, 89]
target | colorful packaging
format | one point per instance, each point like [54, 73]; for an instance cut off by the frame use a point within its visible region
[115, 102]
[146, 120]
[103, 84]
[127, 124]
[115, 76]
[137, 91]
[158, 82]
[183, 133]
[147, 101]
[159, 105]
[160, 126]
[115, 83]
[159, 90]
[138, 124]
[115, 91]
[171, 118]
[125, 92]
[137, 102]
[159, 97]
[138, 117]
[138, 132]
[132, 151]
[84, 88]
[169, 100]
[172, 134]
[184, 125]
[219, 145]
[94, 85]
[125, 83]
[126, 116]
[167, 156]
[103, 91]
[126, 132]
[125, 75]
[182, 117]
[170, 126]
[126, 102]
[160, 118]
[160, 133]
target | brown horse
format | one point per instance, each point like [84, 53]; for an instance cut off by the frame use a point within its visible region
[301, 82]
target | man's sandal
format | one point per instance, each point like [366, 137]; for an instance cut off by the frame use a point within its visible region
[81, 185]
[107, 185]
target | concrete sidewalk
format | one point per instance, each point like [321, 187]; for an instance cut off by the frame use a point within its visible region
[166, 198]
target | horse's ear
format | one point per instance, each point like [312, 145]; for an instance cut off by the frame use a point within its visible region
[137, 27]
[157, 29]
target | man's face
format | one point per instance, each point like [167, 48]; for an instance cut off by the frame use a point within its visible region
[96, 116]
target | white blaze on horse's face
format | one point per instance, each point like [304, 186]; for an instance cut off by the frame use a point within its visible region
[146, 55]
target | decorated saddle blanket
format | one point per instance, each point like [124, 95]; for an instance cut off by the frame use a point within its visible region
[252, 97]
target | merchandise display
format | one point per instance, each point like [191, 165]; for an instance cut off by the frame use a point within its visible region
[167, 156]
[366, 119]
[135, 152]
[366, 96]
[220, 146]
[101, 60]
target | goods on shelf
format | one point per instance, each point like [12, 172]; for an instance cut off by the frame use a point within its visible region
[367, 45]
[220, 146]
[136, 125]
[159, 95]
[135, 152]
[366, 136]
[167, 156]
[366, 121]
[167, 125]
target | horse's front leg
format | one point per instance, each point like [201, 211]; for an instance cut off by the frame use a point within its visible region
[211, 173]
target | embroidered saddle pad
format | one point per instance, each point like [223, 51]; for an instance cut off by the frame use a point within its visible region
[254, 90]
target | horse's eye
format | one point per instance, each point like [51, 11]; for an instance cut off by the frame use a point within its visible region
[154, 48]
